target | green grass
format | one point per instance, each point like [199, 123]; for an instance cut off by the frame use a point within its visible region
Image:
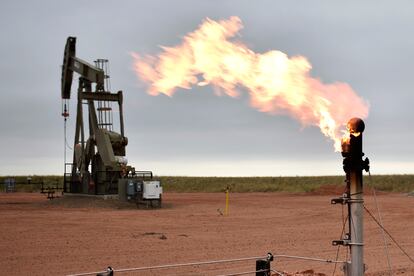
[402, 183]
[389, 183]
[247, 184]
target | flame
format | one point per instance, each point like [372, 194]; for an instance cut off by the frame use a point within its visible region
[276, 83]
[346, 137]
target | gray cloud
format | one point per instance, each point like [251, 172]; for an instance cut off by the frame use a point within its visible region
[196, 132]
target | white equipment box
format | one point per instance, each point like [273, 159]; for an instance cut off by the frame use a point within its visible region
[151, 190]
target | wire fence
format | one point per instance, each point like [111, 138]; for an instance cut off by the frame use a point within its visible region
[169, 266]
[30, 184]
[269, 257]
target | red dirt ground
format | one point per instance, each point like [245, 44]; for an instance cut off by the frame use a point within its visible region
[73, 235]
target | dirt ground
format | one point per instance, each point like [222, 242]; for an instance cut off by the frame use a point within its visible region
[74, 235]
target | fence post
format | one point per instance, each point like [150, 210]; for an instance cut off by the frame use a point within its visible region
[263, 266]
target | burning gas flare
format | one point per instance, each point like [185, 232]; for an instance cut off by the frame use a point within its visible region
[276, 83]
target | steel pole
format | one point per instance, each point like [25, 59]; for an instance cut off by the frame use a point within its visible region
[356, 223]
[353, 167]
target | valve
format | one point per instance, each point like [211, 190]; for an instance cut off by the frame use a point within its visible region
[365, 164]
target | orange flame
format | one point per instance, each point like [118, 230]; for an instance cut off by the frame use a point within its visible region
[276, 83]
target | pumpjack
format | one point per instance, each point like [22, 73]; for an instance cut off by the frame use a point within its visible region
[99, 164]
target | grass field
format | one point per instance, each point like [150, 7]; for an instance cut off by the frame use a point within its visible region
[389, 183]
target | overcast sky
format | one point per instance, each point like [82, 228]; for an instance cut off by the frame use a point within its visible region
[367, 44]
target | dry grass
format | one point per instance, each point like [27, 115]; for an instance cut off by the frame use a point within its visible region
[389, 183]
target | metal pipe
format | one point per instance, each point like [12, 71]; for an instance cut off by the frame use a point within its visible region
[121, 113]
[353, 166]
